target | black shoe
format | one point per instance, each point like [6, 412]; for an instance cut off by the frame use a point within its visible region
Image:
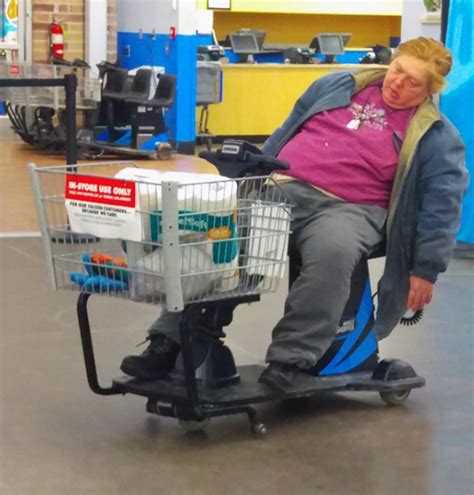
[279, 376]
[157, 360]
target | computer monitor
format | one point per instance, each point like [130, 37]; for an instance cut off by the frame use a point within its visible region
[329, 44]
[315, 44]
[345, 38]
[259, 35]
[243, 45]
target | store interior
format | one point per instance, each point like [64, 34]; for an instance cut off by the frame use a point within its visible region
[160, 85]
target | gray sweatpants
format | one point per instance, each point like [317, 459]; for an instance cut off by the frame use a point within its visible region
[331, 236]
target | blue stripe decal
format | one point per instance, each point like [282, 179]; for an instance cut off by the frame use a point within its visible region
[103, 136]
[364, 351]
[363, 315]
[125, 138]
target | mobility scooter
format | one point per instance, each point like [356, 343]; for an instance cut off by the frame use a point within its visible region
[206, 382]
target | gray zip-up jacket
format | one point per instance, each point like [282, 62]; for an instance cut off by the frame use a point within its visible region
[425, 204]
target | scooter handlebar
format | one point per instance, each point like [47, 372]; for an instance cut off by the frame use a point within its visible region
[239, 159]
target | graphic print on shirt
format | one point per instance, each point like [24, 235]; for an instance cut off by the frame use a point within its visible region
[368, 115]
[356, 164]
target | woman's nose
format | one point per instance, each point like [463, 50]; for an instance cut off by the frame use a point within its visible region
[398, 81]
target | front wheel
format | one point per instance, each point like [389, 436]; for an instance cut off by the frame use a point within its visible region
[258, 429]
[395, 397]
[91, 153]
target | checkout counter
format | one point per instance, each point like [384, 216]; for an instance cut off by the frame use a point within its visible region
[258, 96]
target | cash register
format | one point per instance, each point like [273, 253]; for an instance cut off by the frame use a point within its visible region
[330, 45]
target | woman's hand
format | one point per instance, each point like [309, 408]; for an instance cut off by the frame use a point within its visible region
[420, 293]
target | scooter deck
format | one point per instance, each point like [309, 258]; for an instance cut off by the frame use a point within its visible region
[117, 150]
[248, 390]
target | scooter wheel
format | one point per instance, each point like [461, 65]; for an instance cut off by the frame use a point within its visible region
[91, 154]
[395, 397]
[164, 151]
[259, 429]
[192, 426]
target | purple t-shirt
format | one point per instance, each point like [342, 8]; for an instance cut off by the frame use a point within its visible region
[350, 151]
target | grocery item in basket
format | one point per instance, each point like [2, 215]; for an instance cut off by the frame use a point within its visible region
[268, 240]
[201, 193]
[104, 273]
[199, 276]
[105, 259]
[206, 219]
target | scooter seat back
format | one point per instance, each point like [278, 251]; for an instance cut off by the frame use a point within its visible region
[164, 95]
[115, 83]
[140, 90]
[165, 92]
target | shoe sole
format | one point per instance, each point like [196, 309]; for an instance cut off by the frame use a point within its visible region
[141, 373]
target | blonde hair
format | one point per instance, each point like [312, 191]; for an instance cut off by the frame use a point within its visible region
[437, 56]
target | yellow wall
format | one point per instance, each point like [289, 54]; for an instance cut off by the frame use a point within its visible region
[258, 97]
[301, 28]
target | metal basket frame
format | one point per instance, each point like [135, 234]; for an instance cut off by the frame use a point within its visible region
[88, 93]
[165, 273]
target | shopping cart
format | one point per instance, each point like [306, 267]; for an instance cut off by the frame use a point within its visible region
[199, 247]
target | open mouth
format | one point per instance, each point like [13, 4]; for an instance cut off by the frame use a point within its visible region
[393, 94]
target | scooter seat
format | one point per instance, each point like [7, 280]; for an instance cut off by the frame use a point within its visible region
[153, 102]
[164, 95]
[115, 84]
[140, 90]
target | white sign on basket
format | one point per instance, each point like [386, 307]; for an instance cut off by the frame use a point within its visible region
[103, 207]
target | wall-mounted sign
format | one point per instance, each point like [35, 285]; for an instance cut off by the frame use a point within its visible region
[218, 4]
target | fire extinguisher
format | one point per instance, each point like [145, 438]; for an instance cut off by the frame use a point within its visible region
[56, 39]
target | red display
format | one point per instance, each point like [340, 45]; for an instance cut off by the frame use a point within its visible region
[101, 190]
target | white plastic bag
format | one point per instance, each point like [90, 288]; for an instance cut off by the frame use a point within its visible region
[268, 240]
[199, 275]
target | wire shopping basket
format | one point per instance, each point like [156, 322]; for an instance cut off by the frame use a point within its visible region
[169, 238]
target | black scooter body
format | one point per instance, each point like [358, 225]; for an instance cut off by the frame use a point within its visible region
[207, 383]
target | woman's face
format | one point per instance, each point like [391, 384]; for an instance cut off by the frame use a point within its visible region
[406, 83]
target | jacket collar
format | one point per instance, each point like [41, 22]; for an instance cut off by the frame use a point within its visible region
[365, 77]
[425, 116]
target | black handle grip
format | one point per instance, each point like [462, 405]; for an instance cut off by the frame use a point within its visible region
[239, 158]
